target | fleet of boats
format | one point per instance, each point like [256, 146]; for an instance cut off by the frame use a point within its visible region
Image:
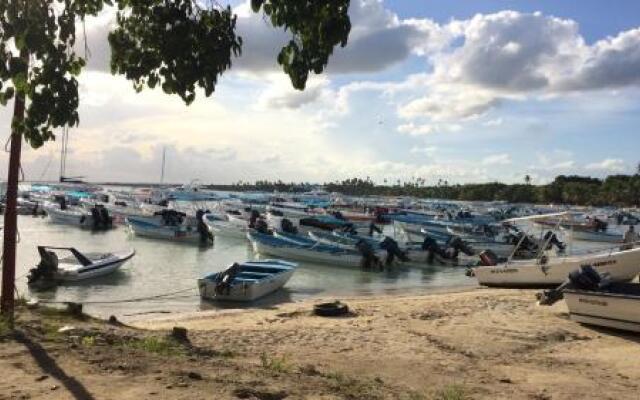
[495, 243]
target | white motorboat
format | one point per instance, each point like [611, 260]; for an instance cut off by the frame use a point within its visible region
[172, 225]
[593, 299]
[594, 236]
[76, 266]
[622, 265]
[248, 281]
[96, 218]
[227, 229]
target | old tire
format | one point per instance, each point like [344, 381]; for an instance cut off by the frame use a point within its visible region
[333, 309]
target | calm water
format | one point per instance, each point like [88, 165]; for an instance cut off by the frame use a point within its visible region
[161, 267]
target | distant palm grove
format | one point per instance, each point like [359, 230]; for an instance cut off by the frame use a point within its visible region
[614, 190]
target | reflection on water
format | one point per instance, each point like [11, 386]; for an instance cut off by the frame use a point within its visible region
[161, 267]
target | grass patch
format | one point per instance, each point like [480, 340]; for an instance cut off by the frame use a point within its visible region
[156, 345]
[5, 328]
[275, 364]
[352, 388]
[451, 392]
[88, 341]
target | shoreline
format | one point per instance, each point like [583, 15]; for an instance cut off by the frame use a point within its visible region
[459, 343]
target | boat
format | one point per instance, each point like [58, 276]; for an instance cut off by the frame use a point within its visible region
[622, 265]
[303, 250]
[594, 236]
[247, 281]
[97, 217]
[226, 228]
[594, 300]
[76, 266]
[172, 225]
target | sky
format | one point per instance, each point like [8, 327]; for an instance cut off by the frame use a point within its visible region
[463, 91]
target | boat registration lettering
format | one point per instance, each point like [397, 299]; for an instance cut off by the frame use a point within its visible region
[593, 302]
[503, 270]
[601, 263]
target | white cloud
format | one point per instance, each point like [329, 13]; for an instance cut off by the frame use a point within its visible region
[416, 130]
[614, 165]
[497, 159]
[427, 150]
[493, 122]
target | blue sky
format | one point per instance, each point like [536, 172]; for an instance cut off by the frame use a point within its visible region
[467, 91]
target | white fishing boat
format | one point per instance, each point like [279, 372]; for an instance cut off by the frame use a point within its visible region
[621, 265]
[247, 281]
[96, 218]
[172, 225]
[227, 229]
[593, 299]
[76, 266]
[594, 236]
[310, 251]
[617, 306]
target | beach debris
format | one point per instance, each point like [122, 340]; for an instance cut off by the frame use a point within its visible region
[332, 309]
[253, 394]
[180, 334]
[194, 376]
[42, 378]
[74, 309]
[67, 329]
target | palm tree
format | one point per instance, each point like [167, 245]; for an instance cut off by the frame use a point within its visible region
[527, 179]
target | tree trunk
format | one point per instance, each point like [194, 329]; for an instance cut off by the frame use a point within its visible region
[10, 212]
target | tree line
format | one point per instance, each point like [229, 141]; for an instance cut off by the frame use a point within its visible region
[614, 190]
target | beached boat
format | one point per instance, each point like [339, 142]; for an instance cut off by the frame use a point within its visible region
[616, 306]
[593, 299]
[622, 265]
[248, 281]
[303, 250]
[172, 225]
[76, 266]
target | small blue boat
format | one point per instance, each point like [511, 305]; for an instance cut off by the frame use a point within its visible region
[248, 281]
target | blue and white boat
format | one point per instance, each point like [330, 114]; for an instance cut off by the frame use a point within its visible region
[303, 249]
[248, 281]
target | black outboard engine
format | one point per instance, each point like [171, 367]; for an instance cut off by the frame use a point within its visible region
[552, 240]
[225, 278]
[253, 218]
[339, 216]
[261, 226]
[458, 245]
[205, 234]
[584, 278]
[287, 226]
[374, 228]
[45, 271]
[369, 257]
[431, 246]
[350, 229]
[393, 251]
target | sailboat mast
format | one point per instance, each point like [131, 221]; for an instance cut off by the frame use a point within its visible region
[164, 151]
[63, 152]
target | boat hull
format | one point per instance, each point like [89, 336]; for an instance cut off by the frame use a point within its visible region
[604, 309]
[590, 236]
[98, 269]
[621, 265]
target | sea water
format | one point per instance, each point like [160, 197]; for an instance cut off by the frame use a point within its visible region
[170, 271]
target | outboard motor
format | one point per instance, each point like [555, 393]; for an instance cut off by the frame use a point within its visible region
[458, 245]
[488, 258]
[339, 216]
[224, 279]
[350, 229]
[287, 226]
[205, 234]
[584, 278]
[261, 226]
[253, 218]
[373, 228]
[393, 251]
[552, 240]
[45, 271]
[431, 246]
[95, 218]
[369, 257]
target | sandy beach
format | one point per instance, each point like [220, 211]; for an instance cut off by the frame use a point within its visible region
[473, 344]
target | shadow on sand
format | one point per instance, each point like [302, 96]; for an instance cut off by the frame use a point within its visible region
[51, 367]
